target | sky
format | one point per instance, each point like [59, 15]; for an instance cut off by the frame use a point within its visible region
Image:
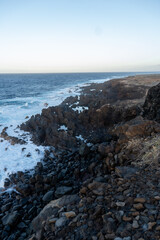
[79, 35]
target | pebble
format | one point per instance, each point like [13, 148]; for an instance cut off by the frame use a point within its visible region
[138, 206]
[120, 204]
[135, 224]
[151, 225]
[69, 214]
[139, 200]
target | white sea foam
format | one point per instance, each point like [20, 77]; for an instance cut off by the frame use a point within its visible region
[18, 157]
[80, 109]
[62, 128]
[12, 158]
[80, 138]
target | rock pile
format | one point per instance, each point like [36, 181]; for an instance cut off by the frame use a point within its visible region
[100, 177]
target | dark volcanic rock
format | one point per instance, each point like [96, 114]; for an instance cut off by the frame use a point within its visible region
[11, 218]
[152, 104]
[105, 107]
[84, 150]
[63, 190]
[48, 196]
[52, 208]
[107, 199]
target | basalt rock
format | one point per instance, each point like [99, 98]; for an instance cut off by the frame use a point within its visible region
[106, 201]
[101, 109]
[11, 139]
[151, 106]
[138, 127]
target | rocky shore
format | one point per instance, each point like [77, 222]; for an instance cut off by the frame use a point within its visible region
[100, 177]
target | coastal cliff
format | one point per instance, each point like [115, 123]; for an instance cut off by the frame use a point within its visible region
[99, 178]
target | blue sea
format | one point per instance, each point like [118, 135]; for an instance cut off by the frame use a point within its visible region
[24, 95]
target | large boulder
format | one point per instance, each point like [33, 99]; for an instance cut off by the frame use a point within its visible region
[51, 209]
[137, 127]
[152, 104]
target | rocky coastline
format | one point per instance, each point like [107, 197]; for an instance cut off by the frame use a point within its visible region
[100, 177]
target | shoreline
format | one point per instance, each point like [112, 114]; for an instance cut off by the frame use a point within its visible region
[86, 89]
[90, 173]
[13, 135]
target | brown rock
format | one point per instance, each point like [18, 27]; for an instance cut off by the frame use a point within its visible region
[139, 200]
[138, 206]
[70, 214]
[157, 198]
[83, 190]
[158, 228]
[127, 219]
[51, 209]
[151, 225]
[135, 214]
[98, 188]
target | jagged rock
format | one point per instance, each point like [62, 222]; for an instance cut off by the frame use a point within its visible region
[11, 139]
[151, 106]
[123, 202]
[137, 127]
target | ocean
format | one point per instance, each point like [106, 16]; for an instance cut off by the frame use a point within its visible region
[24, 95]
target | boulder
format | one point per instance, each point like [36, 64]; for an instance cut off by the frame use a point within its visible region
[137, 127]
[51, 209]
[151, 107]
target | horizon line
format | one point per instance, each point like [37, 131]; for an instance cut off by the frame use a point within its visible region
[80, 72]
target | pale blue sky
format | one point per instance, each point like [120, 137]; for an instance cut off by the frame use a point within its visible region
[79, 35]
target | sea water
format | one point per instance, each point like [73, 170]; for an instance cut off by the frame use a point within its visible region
[24, 95]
